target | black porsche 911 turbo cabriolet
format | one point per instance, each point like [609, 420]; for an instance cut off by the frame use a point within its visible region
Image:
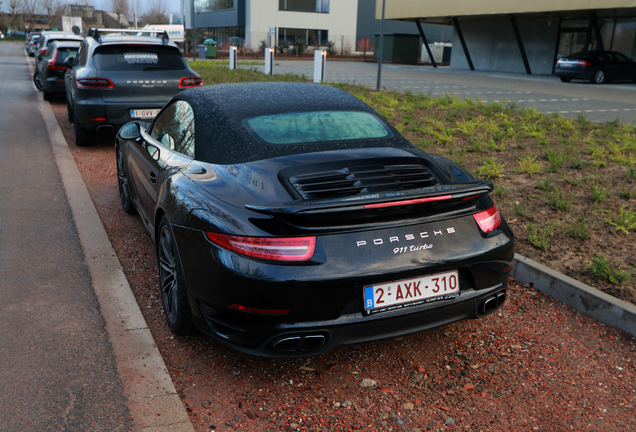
[290, 219]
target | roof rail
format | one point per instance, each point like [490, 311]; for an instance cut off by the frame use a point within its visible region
[96, 33]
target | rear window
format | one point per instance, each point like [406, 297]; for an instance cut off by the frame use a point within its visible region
[138, 58]
[64, 53]
[316, 126]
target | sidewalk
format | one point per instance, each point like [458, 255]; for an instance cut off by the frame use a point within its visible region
[69, 359]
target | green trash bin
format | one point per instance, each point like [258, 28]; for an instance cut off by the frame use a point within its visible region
[210, 48]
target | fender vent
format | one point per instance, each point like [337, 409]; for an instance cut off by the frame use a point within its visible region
[362, 180]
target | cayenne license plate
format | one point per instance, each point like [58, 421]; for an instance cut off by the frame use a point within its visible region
[143, 113]
[411, 292]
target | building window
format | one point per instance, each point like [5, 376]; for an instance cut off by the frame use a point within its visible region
[307, 37]
[203, 6]
[321, 6]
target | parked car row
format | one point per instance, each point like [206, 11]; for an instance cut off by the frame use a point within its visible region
[288, 218]
[110, 77]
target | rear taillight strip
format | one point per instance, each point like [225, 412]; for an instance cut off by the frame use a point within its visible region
[186, 82]
[95, 83]
[408, 202]
[267, 248]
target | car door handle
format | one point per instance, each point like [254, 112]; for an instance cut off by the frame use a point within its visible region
[153, 178]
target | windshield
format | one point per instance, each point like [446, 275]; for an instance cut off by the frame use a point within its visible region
[138, 58]
[317, 126]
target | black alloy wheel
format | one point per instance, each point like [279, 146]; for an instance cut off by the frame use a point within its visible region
[37, 81]
[172, 282]
[599, 77]
[122, 183]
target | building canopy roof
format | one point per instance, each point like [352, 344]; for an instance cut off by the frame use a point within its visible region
[440, 11]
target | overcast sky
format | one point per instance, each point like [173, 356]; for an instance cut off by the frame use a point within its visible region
[174, 6]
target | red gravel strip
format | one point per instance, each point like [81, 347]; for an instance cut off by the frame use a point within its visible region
[535, 365]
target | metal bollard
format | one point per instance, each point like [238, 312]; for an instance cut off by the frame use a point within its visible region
[232, 57]
[320, 58]
[269, 61]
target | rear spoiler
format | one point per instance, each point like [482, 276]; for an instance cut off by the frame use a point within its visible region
[96, 33]
[464, 191]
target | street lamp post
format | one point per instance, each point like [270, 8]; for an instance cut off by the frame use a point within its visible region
[381, 43]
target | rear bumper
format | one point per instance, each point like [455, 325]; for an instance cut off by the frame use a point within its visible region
[314, 338]
[94, 113]
[54, 85]
[574, 73]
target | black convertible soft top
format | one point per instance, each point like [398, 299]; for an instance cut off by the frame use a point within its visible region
[219, 111]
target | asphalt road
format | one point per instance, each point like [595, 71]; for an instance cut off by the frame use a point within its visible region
[546, 93]
[57, 368]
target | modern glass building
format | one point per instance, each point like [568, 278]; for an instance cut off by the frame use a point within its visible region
[307, 23]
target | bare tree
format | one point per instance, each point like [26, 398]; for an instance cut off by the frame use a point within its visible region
[50, 9]
[120, 7]
[156, 12]
[15, 9]
[31, 9]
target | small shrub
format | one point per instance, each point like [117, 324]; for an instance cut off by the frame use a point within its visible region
[625, 221]
[577, 163]
[579, 229]
[560, 201]
[602, 269]
[627, 194]
[538, 239]
[501, 191]
[598, 195]
[492, 169]
[545, 185]
[555, 160]
[520, 208]
[530, 165]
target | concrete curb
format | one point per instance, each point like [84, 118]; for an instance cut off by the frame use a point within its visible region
[152, 399]
[584, 298]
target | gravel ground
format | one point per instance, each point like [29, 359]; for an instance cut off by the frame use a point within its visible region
[535, 365]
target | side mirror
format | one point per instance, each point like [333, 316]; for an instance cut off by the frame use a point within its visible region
[130, 131]
[40, 56]
[153, 152]
[70, 62]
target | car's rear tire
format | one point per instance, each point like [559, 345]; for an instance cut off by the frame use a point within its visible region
[122, 183]
[172, 283]
[564, 79]
[83, 137]
[47, 96]
[69, 111]
[598, 77]
[37, 81]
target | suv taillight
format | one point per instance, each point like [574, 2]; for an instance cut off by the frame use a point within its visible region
[190, 82]
[51, 64]
[95, 83]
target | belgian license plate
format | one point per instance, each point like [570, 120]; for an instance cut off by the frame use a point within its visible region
[143, 113]
[411, 292]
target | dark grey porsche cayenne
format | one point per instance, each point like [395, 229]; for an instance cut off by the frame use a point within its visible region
[121, 75]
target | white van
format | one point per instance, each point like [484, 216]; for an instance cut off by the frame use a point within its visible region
[176, 33]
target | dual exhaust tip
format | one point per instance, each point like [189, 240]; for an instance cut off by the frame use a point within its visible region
[300, 343]
[492, 303]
